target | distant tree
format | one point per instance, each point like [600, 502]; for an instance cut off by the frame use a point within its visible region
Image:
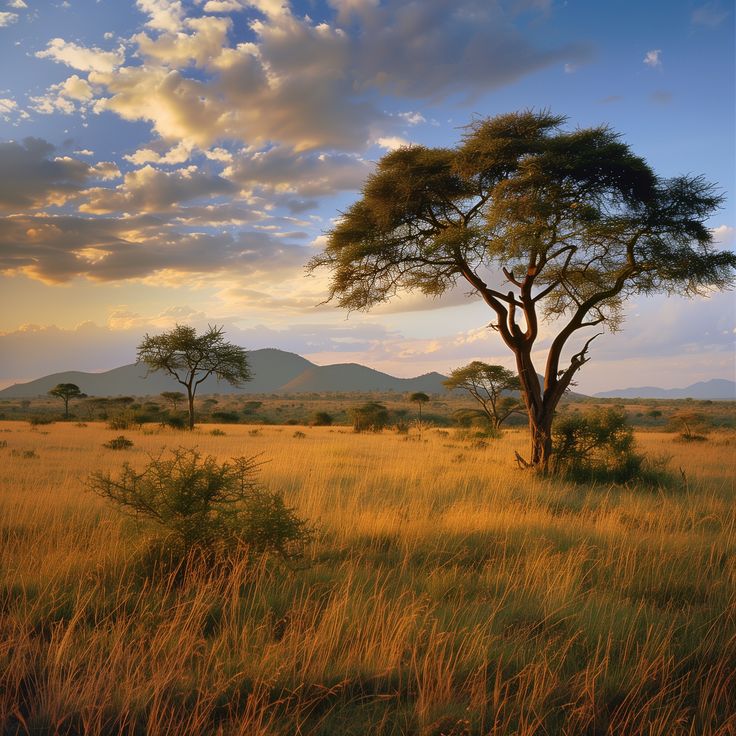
[419, 398]
[191, 359]
[66, 392]
[490, 386]
[371, 416]
[542, 223]
[174, 398]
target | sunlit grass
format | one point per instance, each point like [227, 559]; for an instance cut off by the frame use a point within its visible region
[447, 592]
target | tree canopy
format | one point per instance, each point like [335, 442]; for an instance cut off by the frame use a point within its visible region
[66, 392]
[542, 223]
[191, 359]
[491, 387]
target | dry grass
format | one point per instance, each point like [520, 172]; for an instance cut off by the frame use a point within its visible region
[448, 593]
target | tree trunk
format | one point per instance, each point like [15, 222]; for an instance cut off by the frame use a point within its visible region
[191, 407]
[540, 428]
[66, 408]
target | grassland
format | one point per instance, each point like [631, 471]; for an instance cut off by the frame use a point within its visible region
[447, 592]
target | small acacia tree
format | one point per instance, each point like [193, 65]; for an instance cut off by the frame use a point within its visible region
[66, 392]
[490, 386]
[419, 398]
[541, 223]
[174, 398]
[191, 359]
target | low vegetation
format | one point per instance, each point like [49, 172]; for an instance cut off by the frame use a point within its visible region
[444, 592]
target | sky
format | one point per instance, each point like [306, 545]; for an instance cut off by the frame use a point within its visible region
[179, 161]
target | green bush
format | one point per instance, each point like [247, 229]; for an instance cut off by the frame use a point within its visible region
[370, 417]
[226, 417]
[321, 419]
[200, 505]
[176, 421]
[597, 445]
[118, 443]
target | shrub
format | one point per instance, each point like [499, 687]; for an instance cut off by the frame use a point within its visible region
[217, 433]
[175, 421]
[370, 417]
[36, 421]
[598, 444]
[123, 420]
[201, 505]
[118, 443]
[299, 435]
[226, 417]
[321, 419]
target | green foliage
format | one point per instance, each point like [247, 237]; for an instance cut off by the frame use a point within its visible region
[571, 223]
[226, 417]
[599, 444]
[370, 417]
[176, 421]
[66, 392]
[174, 398]
[192, 358]
[490, 386]
[200, 504]
[118, 443]
[321, 419]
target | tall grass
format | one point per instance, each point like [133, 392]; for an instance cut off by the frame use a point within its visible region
[448, 593]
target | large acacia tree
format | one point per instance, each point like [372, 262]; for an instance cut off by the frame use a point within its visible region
[191, 358]
[543, 223]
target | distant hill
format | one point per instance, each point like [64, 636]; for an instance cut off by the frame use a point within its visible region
[355, 377]
[715, 389]
[274, 371]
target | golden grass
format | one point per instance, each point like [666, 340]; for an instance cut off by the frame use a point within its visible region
[448, 592]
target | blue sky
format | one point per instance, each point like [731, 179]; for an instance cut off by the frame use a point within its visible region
[180, 160]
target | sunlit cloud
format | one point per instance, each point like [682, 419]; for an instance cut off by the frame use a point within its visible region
[653, 58]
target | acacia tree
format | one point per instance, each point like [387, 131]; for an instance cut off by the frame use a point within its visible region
[174, 398]
[191, 359]
[66, 392]
[541, 223]
[490, 386]
[419, 398]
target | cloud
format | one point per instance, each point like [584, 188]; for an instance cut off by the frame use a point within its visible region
[725, 236]
[31, 178]
[653, 58]
[63, 97]
[710, 14]
[7, 19]
[311, 85]
[152, 190]
[82, 58]
[392, 142]
[163, 15]
[282, 170]
[7, 106]
[18, 4]
[55, 249]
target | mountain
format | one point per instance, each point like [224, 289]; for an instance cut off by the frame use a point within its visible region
[716, 388]
[274, 371]
[354, 377]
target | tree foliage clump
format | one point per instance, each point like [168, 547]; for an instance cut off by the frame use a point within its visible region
[370, 417]
[66, 392]
[491, 386]
[201, 505]
[596, 445]
[542, 223]
[191, 359]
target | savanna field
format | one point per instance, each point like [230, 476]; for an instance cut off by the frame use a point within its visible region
[445, 591]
